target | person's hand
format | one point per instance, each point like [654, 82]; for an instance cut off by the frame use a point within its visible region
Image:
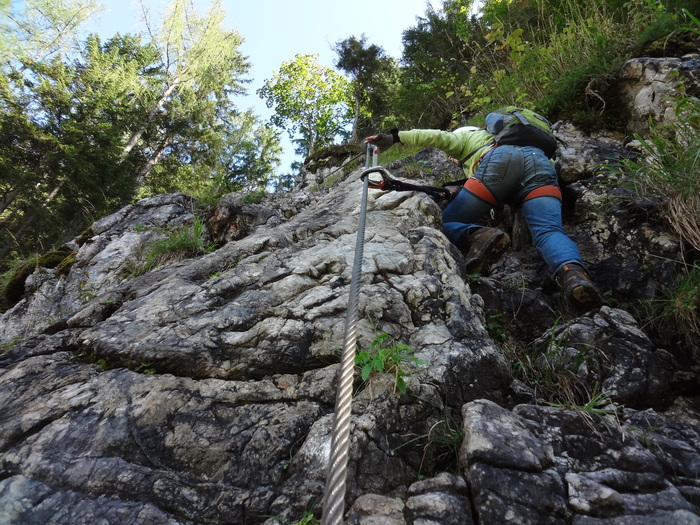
[383, 141]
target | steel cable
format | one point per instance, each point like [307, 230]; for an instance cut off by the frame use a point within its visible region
[334, 491]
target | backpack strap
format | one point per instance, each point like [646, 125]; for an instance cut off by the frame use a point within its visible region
[520, 117]
[471, 154]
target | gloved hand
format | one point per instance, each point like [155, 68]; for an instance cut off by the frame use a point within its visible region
[383, 141]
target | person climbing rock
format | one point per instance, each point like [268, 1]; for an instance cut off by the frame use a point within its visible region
[503, 174]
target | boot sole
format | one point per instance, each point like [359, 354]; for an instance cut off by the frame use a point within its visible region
[488, 254]
[587, 297]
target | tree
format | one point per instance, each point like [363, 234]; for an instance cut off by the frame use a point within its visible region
[371, 72]
[64, 135]
[36, 33]
[80, 131]
[439, 57]
[242, 159]
[251, 155]
[36, 30]
[202, 68]
[308, 99]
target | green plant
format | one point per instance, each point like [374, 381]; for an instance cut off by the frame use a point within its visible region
[551, 368]
[93, 359]
[330, 180]
[254, 197]
[145, 368]
[668, 168]
[644, 435]
[397, 152]
[414, 169]
[308, 518]
[11, 343]
[677, 309]
[473, 278]
[178, 244]
[387, 356]
[494, 326]
[86, 291]
[441, 444]
[597, 403]
[596, 408]
[560, 58]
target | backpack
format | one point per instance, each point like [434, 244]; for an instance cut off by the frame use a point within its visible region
[522, 127]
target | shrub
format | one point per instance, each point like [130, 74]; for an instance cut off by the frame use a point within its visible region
[386, 355]
[178, 244]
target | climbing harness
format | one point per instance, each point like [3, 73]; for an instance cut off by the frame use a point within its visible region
[334, 499]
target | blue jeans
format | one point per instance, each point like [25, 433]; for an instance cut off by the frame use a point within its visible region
[511, 173]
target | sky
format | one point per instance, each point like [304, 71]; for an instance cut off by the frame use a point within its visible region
[274, 31]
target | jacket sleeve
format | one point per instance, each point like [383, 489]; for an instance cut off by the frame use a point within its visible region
[450, 143]
[457, 145]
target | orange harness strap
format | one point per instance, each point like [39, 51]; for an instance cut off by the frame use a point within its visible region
[477, 188]
[544, 191]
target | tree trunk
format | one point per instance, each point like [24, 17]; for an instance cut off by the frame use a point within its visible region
[354, 139]
[151, 115]
[152, 161]
[8, 199]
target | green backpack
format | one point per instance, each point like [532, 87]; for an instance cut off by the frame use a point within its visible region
[522, 127]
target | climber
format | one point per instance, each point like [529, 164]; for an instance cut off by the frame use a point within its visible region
[503, 174]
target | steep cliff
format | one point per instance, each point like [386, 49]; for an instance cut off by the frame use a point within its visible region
[201, 390]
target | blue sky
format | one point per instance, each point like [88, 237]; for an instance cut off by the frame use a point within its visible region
[276, 30]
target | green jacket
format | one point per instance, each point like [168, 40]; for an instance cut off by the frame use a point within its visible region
[456, 144]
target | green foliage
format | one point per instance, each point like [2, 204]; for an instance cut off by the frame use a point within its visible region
[93, 359]
[145, 368]
[676, 311]
[309, 100]
[373, 81]
[13, 279]
[308, 518]
[439, 56]
[645, 436]
[597, 403]
[255, 197]
[387, 356]
[668, 168]
[85, 124]
[494, 326]
[551, 368]
[441, 444]
[596, 407]
[178, 244]
[4, 347]
[396, 152]
[556, 56]
[666, 171]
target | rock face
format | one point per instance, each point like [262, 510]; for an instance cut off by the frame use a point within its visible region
[203, 391]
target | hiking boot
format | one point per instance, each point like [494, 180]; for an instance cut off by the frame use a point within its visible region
[485, 246]
[578, 287]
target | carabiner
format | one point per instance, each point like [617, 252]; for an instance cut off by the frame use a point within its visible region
[378, 181]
